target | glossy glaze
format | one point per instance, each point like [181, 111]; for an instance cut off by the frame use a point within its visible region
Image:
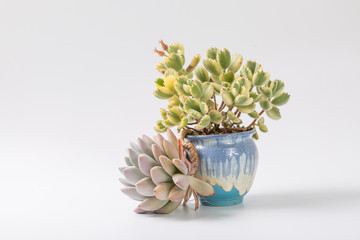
[228, 162]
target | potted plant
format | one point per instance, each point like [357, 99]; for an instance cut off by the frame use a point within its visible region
[208, 105]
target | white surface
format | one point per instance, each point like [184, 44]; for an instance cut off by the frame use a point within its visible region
[76, 82]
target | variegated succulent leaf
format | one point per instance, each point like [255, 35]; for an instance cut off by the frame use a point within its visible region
[213, 96]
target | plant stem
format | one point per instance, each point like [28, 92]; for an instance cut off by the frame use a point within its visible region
[222, 106]
[235, 129]
[193, 129]
[253, 122]
[214, 97]
[238, 114]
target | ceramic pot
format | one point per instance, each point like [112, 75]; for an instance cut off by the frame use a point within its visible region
[228, 162]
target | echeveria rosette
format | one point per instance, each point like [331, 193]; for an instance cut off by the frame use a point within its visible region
[159, 175]
[213, 96]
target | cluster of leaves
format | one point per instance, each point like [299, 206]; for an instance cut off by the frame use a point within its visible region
[193, 93]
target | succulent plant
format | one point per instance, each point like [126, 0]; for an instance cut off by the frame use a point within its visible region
[160, 176]
[192, 100]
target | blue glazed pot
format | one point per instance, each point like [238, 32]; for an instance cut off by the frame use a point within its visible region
[228, 162]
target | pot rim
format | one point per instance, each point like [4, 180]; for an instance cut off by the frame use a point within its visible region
[243, 134]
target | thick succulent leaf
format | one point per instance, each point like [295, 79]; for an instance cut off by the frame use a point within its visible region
[157, 152]
[181, 181]
[254, 114]
[255, 96]
[265, 104]
[256, 136]
[265, 91]
[274, 113]
[196, 89]
[159, 139]
[141, 211]
[190, 75]
[201, 187]
[212, 66]
[236, 88]
[183, 123]
[175, 48]
[247, 73]
[162, 191]
[145, 148]
[260, 78]
[215, 79]
[226, 96]
[227, 77]
[168, 166]
[247, 109]
[158, 175]
[160, 128]
[204, 108]
[125, 182]
[223, 58]
[163, 93]
[253, 66]
[194, 62]
[277, 87]
[236, 61]
[146, 163]
[170, 150]
[187, 89]
[172, 138]
[127, 161]
[170, 72]
[167, 123]
[263, 128]
[145, 187]
[168, 208]
[174, 61]
[215, 116]
[202, 74]
[152, 204]
[212, 52]
[242, 101]
[179, 86]
[133, 155]
[161, 67]
[135, 147]
[210, 104]
[174, 115]
[204, 122]
[121, 169]
[133, 174]
[233, 118]
[132, 193]
[207, 92]
[261, 120]
[216, 87]
[174, 102]
[179, 164]
[192, 104]
[281, 99]
[169, 82]
[159, 82]
[195, 114]
[177, 194]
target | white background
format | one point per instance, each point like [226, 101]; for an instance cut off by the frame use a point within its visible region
[76, 83]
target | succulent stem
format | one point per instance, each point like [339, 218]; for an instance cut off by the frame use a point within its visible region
[253, 122]
[214, 97]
